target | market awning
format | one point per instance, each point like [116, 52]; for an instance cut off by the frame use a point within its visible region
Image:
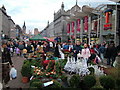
[49, 39]
[38, 37]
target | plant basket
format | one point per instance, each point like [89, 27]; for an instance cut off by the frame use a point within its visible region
[25, 79]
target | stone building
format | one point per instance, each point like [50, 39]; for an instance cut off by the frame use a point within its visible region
[87, 24]
[6, 24]
[36, 32]
[58, 28]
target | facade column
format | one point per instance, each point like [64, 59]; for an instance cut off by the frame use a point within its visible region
[70, 33]
[101, 29]
[89, 28]
[75, 32]
[81, 30]
[98, 26]
[115, 36]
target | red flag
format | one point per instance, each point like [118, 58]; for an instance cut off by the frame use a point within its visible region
[86, 23]
[73, 25]
[107, 17]
[68, 28]
[78, 25]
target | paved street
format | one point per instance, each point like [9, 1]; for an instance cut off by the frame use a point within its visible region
[17, 83]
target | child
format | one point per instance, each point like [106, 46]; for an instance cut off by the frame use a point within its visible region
[17, 51]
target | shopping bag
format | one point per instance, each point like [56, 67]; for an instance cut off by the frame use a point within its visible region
[115, 63]
[79, 55]
[13, 73]
[99, 60]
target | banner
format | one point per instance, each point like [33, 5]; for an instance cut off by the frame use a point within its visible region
[78, 25]
[73, 27]
[107, 17]
[86, 23]
[68, 28]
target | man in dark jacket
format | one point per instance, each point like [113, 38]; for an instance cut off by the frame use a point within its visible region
[111, 54]
[6, 61]
[77, 49]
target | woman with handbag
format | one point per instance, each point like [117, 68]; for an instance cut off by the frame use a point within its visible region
[6, 63]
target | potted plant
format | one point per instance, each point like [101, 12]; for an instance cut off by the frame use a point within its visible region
[107, 82]
[64, 79]
[74, 81]
[89, 81]
[56, 84]
[26, 72]
[36, 84]
[118, 82]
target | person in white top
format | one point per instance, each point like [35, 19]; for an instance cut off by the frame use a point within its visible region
[85, 53]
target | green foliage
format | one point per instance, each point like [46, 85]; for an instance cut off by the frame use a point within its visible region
[50, 66]
[25, 61]
[56, 84]
[34, 80]
[118, 82]
[89, 81]
[107, 82]
[58, 67]
[26, 70]
[74, 81]
[97, 88]
[92, 71]
[36, 84]
[54, 76]
[63, 78]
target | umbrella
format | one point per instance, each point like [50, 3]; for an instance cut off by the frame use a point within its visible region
[38, 37]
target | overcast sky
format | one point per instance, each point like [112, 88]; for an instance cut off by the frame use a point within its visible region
[36, 13]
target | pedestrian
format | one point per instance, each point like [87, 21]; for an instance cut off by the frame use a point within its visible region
[6, 63]
[57, 53]
[111, 54]
[65, 46]
[102, 52]
[93, 54]
[29, 47]
[85, 53]
[21, 47]
[77, 49]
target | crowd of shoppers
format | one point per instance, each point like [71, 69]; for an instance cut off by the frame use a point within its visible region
[106, 52]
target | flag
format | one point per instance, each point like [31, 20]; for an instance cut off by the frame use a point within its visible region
[73, 25]
[68, 28]
[86, 23]
[78, 25]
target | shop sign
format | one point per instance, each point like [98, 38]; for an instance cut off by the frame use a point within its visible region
[107, 26]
